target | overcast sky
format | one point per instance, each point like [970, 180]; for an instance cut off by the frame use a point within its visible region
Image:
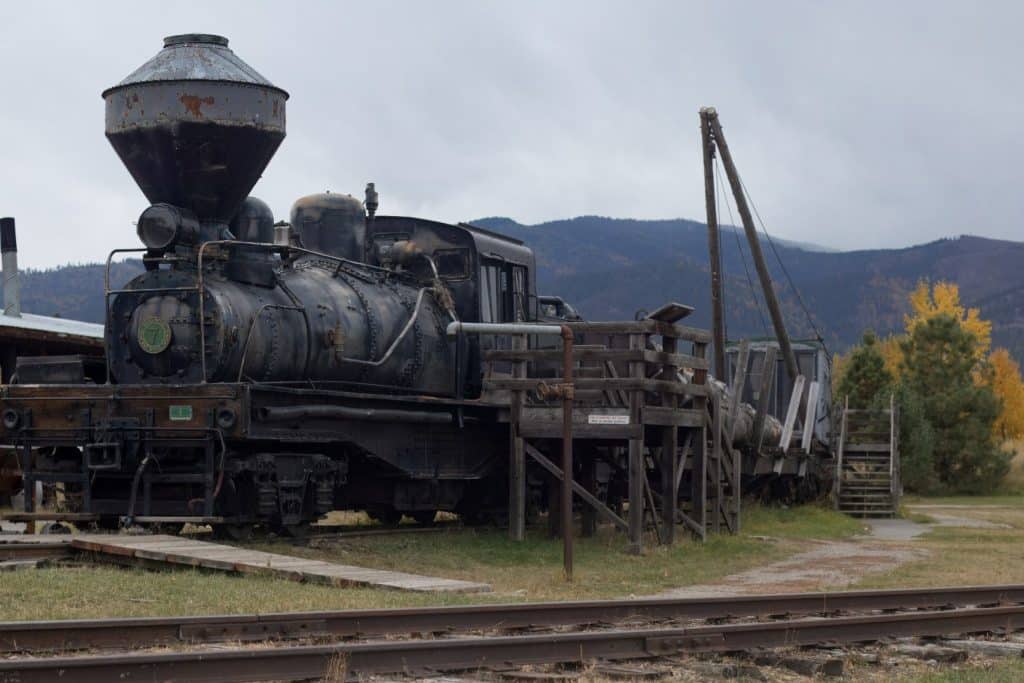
[879, 124]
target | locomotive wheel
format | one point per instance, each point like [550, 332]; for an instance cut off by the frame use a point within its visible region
[387, 516]
[106, 523]
[424, 517]
[300, 530]
[233, 532]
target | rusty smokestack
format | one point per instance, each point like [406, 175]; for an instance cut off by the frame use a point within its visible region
[12, 280]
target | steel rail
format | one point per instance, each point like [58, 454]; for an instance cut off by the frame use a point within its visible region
[126, 633]
[412, 657]
[34, 551]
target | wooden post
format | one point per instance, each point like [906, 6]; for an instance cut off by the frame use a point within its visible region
[669, 447]
[755, 244]
[517, 455]
[636, 454]
[588, 513]
[567, 468]
[764, 394]
[554, 507]
[717, 470]
[717, 315]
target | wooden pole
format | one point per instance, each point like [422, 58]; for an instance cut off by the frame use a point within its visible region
[635, 481]
[517, 463]
[717, 313]
[755, 245]
[567, 475]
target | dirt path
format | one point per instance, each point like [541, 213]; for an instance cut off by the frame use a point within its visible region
[822, 565]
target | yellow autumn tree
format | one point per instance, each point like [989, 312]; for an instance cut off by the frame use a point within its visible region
[1009, 387]
[928, 301]
[892, 354]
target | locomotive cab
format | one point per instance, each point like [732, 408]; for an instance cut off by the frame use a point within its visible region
[492, 277]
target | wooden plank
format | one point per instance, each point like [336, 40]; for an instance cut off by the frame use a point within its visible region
[549, 430]
[49, 516]
[767, 382]
[185, 552]
[738, 382]
[638, 383]
[646, 326]
[663, 416]
[792, 411]
[577, 488]
[810, 420]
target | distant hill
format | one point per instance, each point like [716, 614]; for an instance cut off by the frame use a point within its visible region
[610, 268]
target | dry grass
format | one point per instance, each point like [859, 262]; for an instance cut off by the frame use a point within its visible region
[992, 671]
[1014, 480]
[965, 556]
[532, 570]
[518, 571]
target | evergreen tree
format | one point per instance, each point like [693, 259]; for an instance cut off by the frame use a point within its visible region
[864, 374]
[940, 362]
[916, 442]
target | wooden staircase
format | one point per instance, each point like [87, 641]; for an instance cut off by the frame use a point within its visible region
[867, 482]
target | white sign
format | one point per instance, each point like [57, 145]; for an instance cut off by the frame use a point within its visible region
[608, 419]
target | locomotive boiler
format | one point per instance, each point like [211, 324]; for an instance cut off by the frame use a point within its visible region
[260, 373]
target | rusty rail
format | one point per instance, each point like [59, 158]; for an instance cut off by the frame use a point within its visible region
[128, 633]
[412, 657]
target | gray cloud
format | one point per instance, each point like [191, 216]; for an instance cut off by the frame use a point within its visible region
[867, 125]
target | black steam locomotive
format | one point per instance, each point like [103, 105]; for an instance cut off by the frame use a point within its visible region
[262, 374]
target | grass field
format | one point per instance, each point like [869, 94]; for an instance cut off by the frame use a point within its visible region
[531, 570]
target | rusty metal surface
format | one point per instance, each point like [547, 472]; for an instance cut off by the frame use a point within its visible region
[43, 636]
[195, 57]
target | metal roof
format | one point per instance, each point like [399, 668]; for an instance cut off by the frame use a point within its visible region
[59, 328]
[196, 57]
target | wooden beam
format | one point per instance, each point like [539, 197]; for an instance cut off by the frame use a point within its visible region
[791, 412]
[636, 453]
[578, 489]
[738, 382]
[811, 418]
[517, 462]
[764, 391]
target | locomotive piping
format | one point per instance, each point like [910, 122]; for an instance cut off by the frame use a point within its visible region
[286, 413]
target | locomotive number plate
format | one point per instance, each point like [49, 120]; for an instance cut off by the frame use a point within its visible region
[154, 335]
[181, 413]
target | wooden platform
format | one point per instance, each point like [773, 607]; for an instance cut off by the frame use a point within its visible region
[179, 550]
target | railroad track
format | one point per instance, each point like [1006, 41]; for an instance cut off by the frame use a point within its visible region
[934, 612]
[33, 551]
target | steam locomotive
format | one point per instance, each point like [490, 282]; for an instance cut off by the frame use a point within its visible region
[260, 373]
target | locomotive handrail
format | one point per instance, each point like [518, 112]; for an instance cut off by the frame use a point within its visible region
[273, 248]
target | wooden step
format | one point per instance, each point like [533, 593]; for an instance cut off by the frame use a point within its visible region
[866, 448]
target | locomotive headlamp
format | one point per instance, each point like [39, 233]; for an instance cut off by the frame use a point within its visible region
[11, 418]
[161, 226]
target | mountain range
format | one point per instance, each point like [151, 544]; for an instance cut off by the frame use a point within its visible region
[611, 268]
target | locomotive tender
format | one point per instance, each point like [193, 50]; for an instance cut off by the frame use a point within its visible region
[259, 381]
